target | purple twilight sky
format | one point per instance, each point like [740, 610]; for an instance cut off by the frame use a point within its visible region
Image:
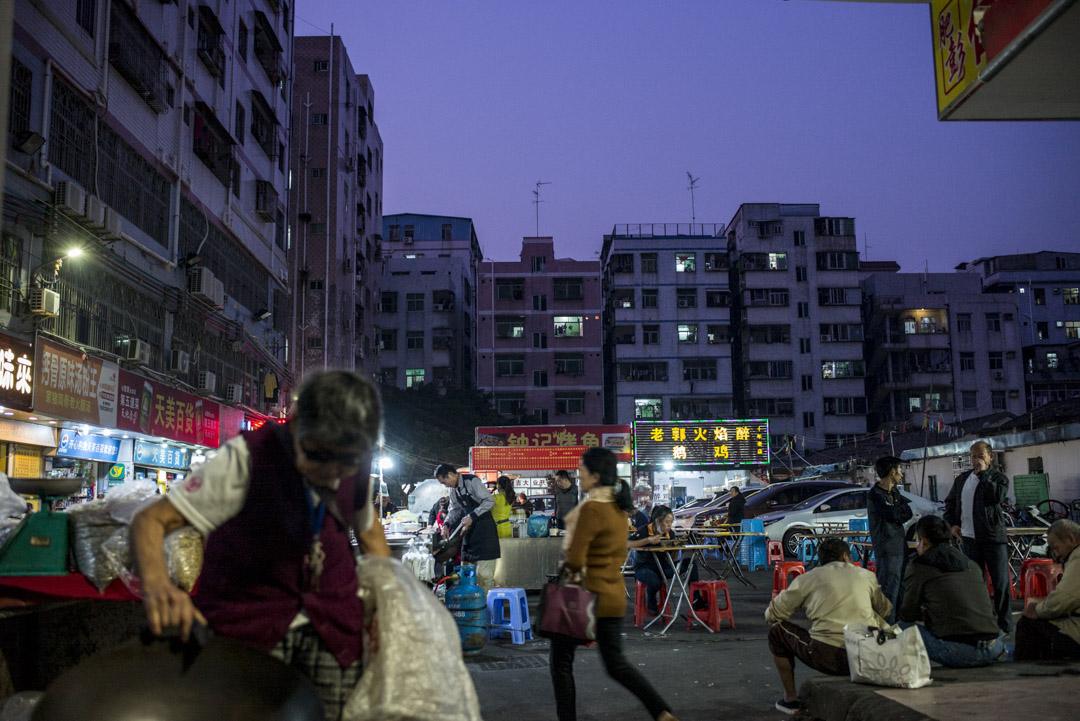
[613, 101]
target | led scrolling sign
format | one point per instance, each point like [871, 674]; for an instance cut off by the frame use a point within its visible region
[729, 443]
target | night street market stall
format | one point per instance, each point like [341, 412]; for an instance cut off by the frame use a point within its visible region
[531, 455]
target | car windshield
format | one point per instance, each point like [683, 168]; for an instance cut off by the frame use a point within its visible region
[812, 501]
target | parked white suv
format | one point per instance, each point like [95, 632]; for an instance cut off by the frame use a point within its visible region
[831, 507]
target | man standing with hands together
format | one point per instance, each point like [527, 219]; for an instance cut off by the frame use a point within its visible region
[888, 511]
[973, 509]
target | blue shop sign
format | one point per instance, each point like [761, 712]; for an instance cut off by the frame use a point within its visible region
[88, 447]
[155, 454]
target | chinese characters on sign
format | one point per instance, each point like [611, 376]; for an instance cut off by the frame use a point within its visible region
[958, 50]
[72, 385]
[150, 407]
[89, 447]
[154, 454]
[702, 443]
[615, 438]
[524, 458]
[16, 373]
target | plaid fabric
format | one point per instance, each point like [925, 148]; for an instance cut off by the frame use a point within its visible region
[303, 650]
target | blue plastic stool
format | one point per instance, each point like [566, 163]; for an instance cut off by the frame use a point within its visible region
[808, 551]
[753, 552]
[508, 613]
[859, 524]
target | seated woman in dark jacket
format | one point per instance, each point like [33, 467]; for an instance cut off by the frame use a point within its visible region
[948, 589]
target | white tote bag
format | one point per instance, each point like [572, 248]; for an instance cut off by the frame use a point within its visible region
[886, 656]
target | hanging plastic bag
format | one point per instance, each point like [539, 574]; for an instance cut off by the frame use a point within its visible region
[400, 683]
[12, 504]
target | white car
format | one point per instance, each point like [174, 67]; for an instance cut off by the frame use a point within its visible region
[831, 507]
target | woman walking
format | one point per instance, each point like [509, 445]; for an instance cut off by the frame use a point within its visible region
[596, 545]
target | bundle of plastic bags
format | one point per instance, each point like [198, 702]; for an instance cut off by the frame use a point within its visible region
[399, 683]
[91, 527]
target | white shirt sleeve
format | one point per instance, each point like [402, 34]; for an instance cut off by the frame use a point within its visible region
[215, 491]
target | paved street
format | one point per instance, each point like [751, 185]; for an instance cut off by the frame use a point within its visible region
[703, 676]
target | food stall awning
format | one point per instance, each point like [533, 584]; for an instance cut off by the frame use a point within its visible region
[524, 458]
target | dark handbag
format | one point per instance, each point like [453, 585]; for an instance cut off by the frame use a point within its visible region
[566, 611]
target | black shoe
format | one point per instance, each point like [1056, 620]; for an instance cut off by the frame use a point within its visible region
[701, 605]
[653, 610]
[789, 707]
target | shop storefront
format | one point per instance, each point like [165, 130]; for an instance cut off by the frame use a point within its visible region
[22, 449]
[84, 455]
[161, 463]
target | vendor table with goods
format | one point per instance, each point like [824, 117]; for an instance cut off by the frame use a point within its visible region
[679, 584]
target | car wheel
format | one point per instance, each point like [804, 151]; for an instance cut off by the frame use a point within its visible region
[792, 541]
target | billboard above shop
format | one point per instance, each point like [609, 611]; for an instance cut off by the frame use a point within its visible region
[720, 443]
[154, 408]
[524, 458]
[16, 373]
[614, 438]
[74, 386]
[88, 446]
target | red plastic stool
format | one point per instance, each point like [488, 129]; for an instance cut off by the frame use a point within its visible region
[774, 552]
[783, 573]
[1026, 567]
[710, 591]
[641, 603]
[871, 566]
[1041, 580]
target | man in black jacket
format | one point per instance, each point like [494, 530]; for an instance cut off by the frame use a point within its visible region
[888, 511]
[566, 497]
[973, 510]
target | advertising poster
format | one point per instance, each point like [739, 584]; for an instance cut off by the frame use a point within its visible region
[153, 408]
[75, 386]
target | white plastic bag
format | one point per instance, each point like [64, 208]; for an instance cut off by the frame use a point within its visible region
[12, 504]
[887, 656]
[413, 669]
[130, 497]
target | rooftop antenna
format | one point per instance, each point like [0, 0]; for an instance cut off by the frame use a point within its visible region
[537, 202]
[866, 247]
[692, 187]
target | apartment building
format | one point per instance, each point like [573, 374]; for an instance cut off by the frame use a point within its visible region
[426, 315]
[1045, 288]
[938, 347]
[667, 322]
[336, 205]
[151, 137]
[540, 336]
[797, 336]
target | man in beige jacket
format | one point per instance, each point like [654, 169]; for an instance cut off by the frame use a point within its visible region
[1050, 628]
[834, 594]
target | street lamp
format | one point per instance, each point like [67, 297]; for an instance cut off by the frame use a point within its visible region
[73, 252]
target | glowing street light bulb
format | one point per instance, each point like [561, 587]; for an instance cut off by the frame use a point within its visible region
[74, 252]
[668, 466]
[386, 462]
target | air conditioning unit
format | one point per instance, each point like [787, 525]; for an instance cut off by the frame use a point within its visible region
[1057, 291]
[438, 307]
[95, 212]
[234, 393]
[683, 303]
[137, 351]
[207, 382]
[826, 338]
[407, 240]
[999, 375]
[218, 295]
[70, 197]
[179, 361]
[112, 223]
[44, 302]
[201, 284]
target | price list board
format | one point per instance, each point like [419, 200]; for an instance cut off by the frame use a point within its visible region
[720, 443]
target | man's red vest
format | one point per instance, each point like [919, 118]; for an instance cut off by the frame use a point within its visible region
[255, 576]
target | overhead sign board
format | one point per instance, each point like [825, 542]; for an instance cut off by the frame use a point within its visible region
[724, 443]
[614, 438]
[524, 458]
[16, 373]
[88, 447]
[162, 456]
[70, 384]
[958, 50]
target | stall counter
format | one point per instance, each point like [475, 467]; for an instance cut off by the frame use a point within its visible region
[526, 562]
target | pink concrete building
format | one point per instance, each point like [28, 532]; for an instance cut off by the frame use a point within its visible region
[540, 336]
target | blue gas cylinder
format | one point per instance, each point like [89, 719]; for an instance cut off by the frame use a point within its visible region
[467, 602]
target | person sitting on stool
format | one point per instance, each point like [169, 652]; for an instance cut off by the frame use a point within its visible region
[648, 564]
